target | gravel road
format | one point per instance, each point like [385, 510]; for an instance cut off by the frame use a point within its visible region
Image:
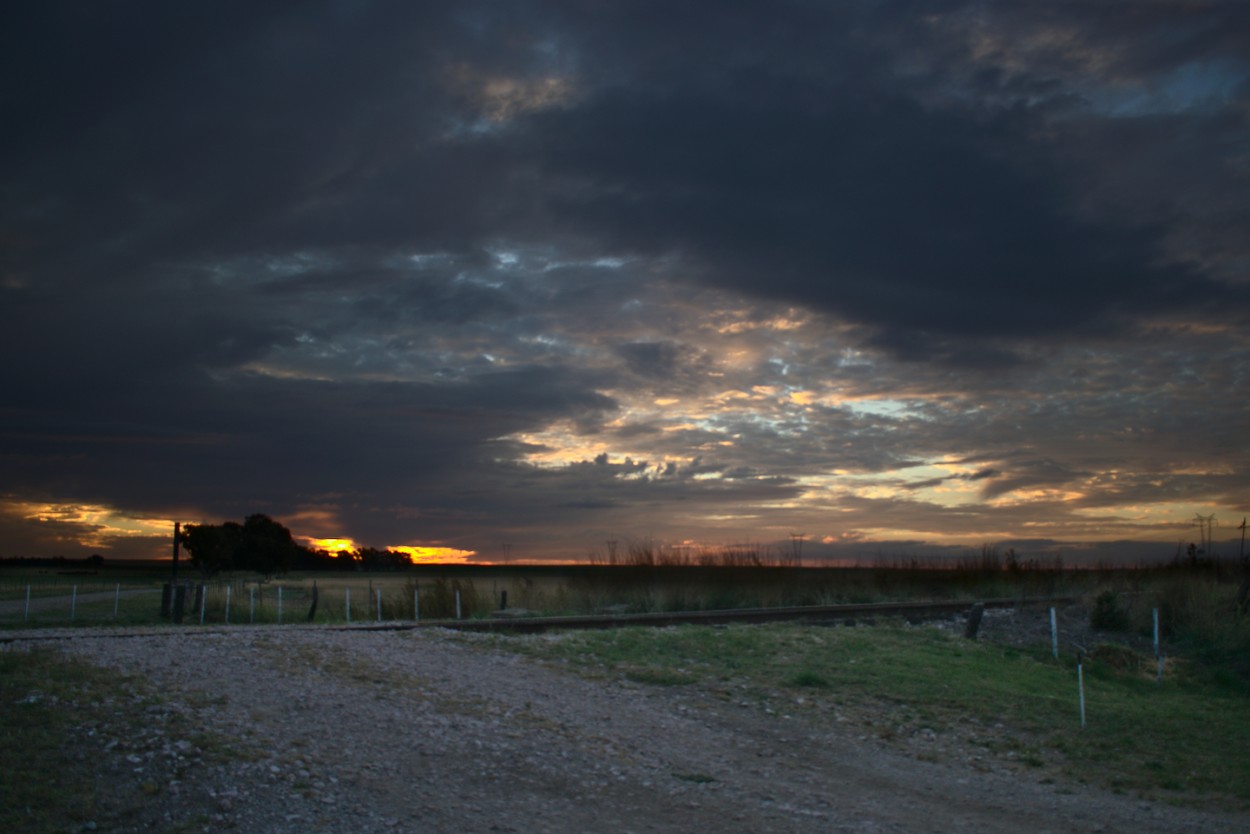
[347, 732]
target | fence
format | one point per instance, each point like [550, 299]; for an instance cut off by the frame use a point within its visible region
[236, 602]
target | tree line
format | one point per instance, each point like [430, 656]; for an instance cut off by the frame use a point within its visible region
[265, 546]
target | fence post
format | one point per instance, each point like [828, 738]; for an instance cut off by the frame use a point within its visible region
[378, 593]
[457, 603]
[1158, 652]
[1054, 634]
[26, 611]
[974, 620]
[228, 603]
[251, 605]
[73, 603]
[279, 605]
[117, 595]
[203, 601]
[1080, 683]
[416, 605]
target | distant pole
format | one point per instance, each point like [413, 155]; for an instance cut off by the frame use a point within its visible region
[1242, 553]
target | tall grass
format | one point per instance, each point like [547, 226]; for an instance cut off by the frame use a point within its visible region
[1199, 615]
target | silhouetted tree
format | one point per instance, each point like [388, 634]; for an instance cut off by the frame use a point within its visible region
[267, 546]
[213, 547]
[260, 544]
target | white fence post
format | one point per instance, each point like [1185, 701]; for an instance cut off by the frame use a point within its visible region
[457, 603]
[1054, 634]
[73, 603]
[228, 604]
[1080, 684]
[1158, 652]
[378, 593]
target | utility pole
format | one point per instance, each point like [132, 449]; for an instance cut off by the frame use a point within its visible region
[177, 538]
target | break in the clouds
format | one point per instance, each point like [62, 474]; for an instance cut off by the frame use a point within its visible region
[522, 278]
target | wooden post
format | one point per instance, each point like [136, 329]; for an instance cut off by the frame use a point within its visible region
[312, 609]
[177, 537]
[974, 620]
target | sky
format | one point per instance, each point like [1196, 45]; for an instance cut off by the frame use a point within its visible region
[511, 280]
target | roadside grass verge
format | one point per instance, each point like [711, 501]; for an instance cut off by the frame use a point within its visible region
[80, 745]
[1183, 740]
[44, 785]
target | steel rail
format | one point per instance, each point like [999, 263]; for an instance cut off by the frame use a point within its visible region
[505, 622]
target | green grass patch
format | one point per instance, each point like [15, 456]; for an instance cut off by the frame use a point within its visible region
[37, 793]
[1185, 737]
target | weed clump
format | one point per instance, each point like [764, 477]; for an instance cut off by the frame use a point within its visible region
[1107, 615]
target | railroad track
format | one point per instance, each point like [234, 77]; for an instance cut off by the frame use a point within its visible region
[812, 614]
[512, 621]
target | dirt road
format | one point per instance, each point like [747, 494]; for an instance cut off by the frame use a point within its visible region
[355, 731]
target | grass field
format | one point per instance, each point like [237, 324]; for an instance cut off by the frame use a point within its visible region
[1181, 740]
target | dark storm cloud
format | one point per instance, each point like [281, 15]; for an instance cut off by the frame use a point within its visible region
[363, 254]
[835, 182]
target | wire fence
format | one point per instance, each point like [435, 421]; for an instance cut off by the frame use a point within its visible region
[235, 602]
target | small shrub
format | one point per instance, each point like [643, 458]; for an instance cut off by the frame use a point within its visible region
[1107, 615]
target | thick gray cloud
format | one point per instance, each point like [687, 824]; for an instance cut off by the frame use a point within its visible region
[544, 273]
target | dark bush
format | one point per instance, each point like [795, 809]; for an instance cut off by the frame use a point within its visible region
[1107, 615]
